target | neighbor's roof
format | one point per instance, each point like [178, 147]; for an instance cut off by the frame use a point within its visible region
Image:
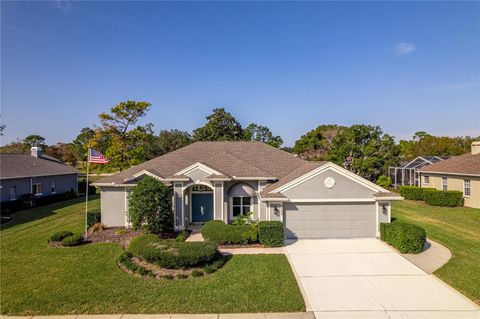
[464, 164]
[26, 165]
[231, 159]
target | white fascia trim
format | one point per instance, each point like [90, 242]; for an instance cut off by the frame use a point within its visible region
[253, 178]
[324, 168]
[200, 166]
[445, 173]
[113, 185]
[332, 200]
[379, 199]
[145, 172]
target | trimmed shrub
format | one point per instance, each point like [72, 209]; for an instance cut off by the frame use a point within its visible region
[407, 238]
[125, 259]
[384, 181]
[171, 253]
[271, 233]
[220, 233]
[413, 192]
[443, 198]
[59, 236]
[93, 217]
[73, 240]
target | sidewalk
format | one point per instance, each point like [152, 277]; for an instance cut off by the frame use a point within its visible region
[433, 257]
[280, 315]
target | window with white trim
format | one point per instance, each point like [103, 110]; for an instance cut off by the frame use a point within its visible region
[426, 179]
[52, 188]
[444, 183]
[13, 192]
[37, 188]
[241, 205]
[466, 187]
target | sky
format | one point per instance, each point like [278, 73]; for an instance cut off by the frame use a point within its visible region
[405, 66]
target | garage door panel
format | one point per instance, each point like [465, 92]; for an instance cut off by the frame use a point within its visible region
[330, 220]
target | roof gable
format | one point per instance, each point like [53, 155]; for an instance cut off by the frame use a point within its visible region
[466, 164]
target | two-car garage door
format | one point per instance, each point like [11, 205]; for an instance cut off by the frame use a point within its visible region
[323, 220]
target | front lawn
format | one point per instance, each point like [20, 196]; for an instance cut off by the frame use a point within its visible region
[39, 279]
[458, 229]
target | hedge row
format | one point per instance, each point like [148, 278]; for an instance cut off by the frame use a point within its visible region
[407, 238]
[432, 196]
[271, 233]
[171, 253]
[220, 233]
[29, 200]
[443, 198]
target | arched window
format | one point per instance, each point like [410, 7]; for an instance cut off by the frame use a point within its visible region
[242, 199]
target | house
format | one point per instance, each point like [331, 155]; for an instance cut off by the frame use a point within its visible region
[408, 174]
[34, 173]
[221, 180]
[460, 173]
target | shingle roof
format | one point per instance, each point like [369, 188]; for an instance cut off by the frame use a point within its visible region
[240, 159]
[299, 171]
[26, 165]
[464, 164]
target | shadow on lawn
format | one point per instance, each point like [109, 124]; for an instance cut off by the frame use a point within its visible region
[36, 213]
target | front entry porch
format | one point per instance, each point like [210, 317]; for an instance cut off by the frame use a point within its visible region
[202, 207]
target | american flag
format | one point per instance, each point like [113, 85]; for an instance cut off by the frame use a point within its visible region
[97, 157]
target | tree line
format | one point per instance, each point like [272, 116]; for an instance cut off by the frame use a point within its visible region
[364, 149]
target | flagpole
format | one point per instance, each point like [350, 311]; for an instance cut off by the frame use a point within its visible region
[86, 194]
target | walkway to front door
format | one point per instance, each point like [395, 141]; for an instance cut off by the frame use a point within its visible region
[202, 207]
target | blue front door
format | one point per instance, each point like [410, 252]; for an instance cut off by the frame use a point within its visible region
[202, 207]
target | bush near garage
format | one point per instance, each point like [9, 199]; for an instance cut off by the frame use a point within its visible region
[413, 192]
[435, 197]
[271, 233]
[173, 254]
[407, 238]
[220, 233]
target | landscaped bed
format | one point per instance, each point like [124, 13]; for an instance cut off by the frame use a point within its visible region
[39, 279]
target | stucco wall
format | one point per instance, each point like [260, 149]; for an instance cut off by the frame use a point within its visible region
[314, 188]
[114, 205]
[456, 183]
[63, 184]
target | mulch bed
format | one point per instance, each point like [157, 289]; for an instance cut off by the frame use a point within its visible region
[109, 235]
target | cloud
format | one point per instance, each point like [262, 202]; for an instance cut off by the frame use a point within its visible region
[404, 48]
[63, 5]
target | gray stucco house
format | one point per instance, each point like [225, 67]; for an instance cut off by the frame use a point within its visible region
[34, 173]
[220, 180]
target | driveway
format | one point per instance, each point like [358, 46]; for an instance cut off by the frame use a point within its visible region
[365, 278]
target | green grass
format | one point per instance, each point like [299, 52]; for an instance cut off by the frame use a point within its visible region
[459, 230]
[37, 279]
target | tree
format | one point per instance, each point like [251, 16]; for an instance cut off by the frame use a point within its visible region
[117, 124]
[150, 204]
[255, 132]
[35, 140]
[14, 147]
[316, 144]
[170, 140]
[2, 128]
[384, 181]
[364, 150]
[62, 152]
[424, 144]
[221, 126]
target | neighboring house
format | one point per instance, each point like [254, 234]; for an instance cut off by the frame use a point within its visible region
[460, 173]
[221, 180]
[34, 173]
[408, 174]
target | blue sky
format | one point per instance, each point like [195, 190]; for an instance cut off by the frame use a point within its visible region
[406, 66]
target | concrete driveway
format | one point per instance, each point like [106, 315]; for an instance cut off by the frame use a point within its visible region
[365, 278]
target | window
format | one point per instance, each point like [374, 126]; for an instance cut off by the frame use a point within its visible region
[37, 188]
[52, 189]
[426, 179]
[466, 187]
[444, 183]
[13, 192]
[241, 205]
